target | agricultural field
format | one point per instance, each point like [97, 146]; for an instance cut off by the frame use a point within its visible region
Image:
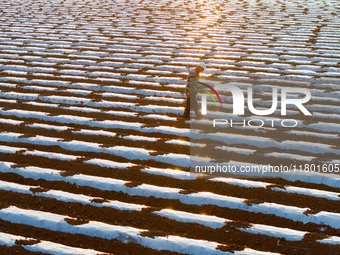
[95, 158]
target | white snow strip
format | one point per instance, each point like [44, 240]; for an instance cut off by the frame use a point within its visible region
[236, 150]
[59, 249]
[165, 99]
[48, 127]
[242, 182]
[327, 218]
[332, 180]
[9, 149]
[289, 155]
[9, 121]
[286, 233]
[185, 143]
[80, 109]
[179, 142]
[94, 132]
[44, 246]
[168, 130]
[10, 186]
[109, 163]
[41, 104]
[306, 133]
[51, 155]
[206, 220]
[9, 240]
[158, 116]
[334, 240]
[325, 127]
[182, 160]
[177, 174]
[121, 113]
[139, 138]
[310, 192]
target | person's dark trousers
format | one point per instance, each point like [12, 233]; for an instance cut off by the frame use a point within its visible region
[192, 102]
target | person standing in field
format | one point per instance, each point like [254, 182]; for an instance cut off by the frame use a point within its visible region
[191, 90]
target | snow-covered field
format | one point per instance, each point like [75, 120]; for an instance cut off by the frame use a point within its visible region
[93, 159]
